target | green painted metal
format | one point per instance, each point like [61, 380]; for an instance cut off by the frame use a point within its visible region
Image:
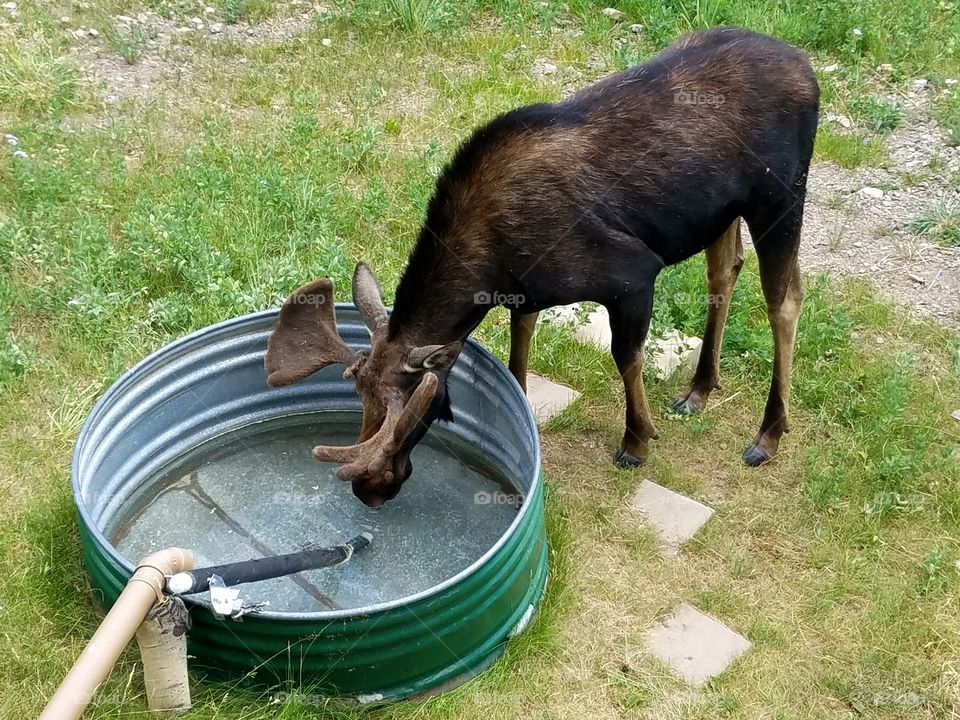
[429, 641]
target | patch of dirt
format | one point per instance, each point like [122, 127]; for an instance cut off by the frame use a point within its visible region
[860, 223]
[167, 51]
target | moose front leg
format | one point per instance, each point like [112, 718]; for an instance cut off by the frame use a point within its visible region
[628, 326]
[522, 326]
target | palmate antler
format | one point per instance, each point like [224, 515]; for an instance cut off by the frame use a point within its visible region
[305, 338]
[373, 458]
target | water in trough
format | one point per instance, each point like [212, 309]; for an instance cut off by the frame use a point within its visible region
[258, 491]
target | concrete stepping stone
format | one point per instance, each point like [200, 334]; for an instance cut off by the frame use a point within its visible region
[695, 645]
[675, 517]
[673, 351]
[596, 330]
[546, 398]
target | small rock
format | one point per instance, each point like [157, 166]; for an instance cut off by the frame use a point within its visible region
[830, 68]
[613, 13]
[93, 32]
[326, 42]
[65, 20]
[841, 120]
[857, 31]
[871, 192]
[636, 28]
[183, 30]
[543, 67]
[917, 279]
[216, 28]
[919, 85]
[11, 139]
[209, 10]
[886, 68]
[950, 81]
[20, 154]
[955, 414]
[196, 21]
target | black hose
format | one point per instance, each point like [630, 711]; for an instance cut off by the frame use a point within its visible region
[247, 571]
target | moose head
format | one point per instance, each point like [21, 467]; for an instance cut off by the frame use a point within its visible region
[401, 384]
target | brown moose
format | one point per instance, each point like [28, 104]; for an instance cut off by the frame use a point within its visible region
[584, 200]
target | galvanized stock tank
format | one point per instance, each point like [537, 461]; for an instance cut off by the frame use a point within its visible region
[211, 385]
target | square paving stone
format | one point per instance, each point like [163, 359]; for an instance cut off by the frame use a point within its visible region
[548, 398]
[695, 645]
[675, 517]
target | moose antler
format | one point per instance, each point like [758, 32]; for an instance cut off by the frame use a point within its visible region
[305, 337]
[374, 457]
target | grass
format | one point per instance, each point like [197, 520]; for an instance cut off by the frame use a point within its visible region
[941, 225]
[282, 161]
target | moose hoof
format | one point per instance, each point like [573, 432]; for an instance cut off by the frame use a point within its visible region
[754, 456]
[685, 406]
[624, 459]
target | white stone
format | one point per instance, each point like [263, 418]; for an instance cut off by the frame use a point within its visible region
[919, 85]
[871, 192]
[564, 314]
[830, 68]
[543, 67]
[216, 28]
[672, 352]
[675, 517]
[613, 13]
[596, 330]
[841, 120]
[695, 645]
[326, 42]
[93, 32]
[546, 398]
[955, 414]
[636, 28]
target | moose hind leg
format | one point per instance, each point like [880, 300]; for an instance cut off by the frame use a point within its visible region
[783, 291]
[522, 326]
[724, 260]
[628, 326]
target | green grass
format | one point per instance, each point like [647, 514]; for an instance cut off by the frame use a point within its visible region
[284, 161]
[941, 225]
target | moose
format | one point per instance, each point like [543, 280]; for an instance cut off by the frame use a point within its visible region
[587, 199]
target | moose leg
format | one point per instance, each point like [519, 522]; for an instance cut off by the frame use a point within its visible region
[782, 288]
[724, 260]
[521, 330]
[628, 327]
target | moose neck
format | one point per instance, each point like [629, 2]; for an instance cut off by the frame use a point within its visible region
[436, 300]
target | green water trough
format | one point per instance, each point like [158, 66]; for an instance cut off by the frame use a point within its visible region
[191, 448]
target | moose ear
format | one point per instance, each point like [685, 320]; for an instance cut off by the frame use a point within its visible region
[432, 357]
[366, 296]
